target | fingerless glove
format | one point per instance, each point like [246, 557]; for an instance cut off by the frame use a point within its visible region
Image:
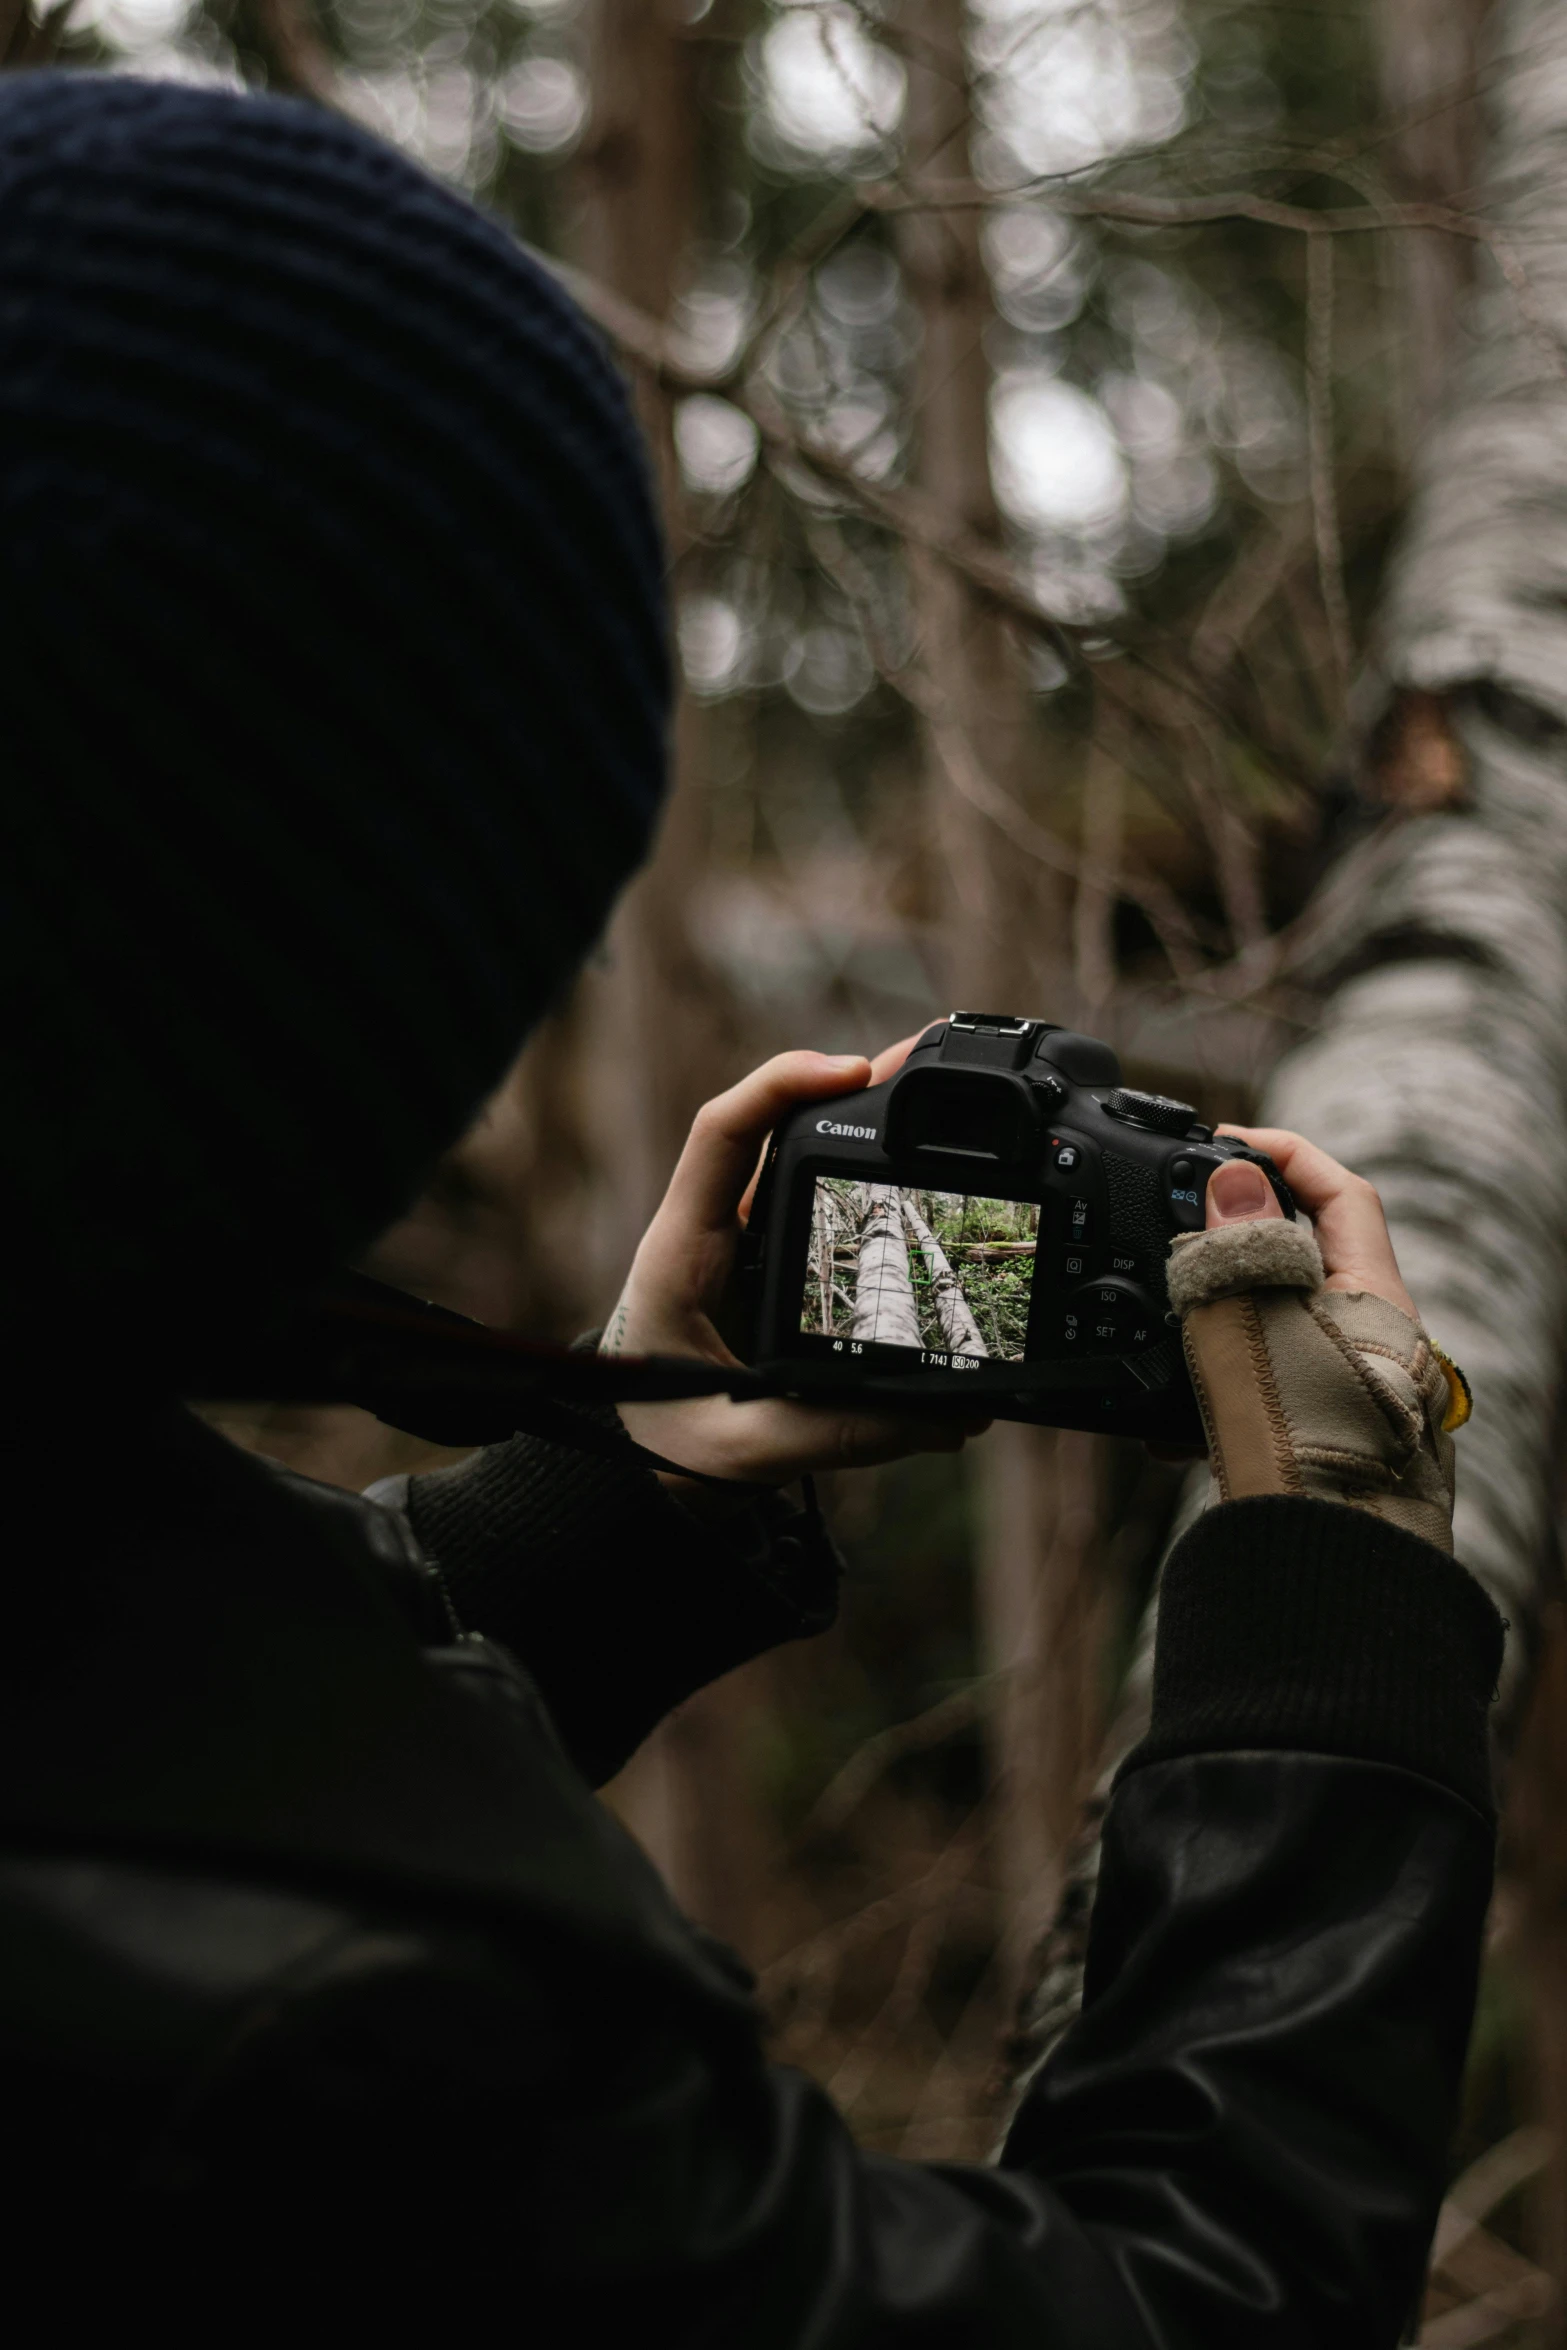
[1332, 1394]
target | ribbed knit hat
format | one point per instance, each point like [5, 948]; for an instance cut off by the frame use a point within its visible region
[333, 681]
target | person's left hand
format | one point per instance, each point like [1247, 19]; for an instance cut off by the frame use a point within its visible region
[678, 1277]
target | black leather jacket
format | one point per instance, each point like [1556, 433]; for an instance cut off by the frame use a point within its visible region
[315, 1936]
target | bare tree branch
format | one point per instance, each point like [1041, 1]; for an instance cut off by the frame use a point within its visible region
[286, 37]
[1497, 2173]
[29, 40]
[1238, 204]
[847, 1789]
[1143, 211]
[1324, 487]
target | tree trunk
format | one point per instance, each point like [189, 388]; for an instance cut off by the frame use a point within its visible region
[1425, 79]
[999, 925]
[659, 1038]
[993, 912]
[1440, 946]
[884, 1309]
[820, 1267]
[1441, 1069]
[651, 1026]
[959, 1329]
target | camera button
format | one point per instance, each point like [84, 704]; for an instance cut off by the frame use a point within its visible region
[1118, 1317]
[1075, 1264]
[1079, 1219]
[1188, 1183]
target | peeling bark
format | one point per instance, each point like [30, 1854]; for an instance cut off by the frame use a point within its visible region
[884, 1310]
[958, 1326]
[1440, 1070]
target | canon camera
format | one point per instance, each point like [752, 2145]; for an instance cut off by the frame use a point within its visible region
[991, 1227]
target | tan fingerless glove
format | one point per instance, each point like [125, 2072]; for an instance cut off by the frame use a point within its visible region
[1334, 1394]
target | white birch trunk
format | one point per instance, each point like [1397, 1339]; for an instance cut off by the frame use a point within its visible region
[1439, 1070]
[884, 1309]
[820, 1266]
[958, 1326]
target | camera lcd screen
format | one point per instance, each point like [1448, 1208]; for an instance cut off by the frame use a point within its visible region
[950, 1273]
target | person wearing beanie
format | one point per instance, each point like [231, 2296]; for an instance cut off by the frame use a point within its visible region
[335, 686]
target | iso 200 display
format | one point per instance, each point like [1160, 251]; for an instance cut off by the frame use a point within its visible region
[949, 1273]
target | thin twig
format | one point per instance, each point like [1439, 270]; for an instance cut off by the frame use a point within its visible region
[847, 1789]
[1142, 211]
[1530, 2293]
[30, 40]
[927, 1931]
[286, 36]
[1159, 905]
[821, 1954]
[1498, 2173]
[1244, 595]
[908, 514]
[1093, 914]
[1324, 484]
[959, 2071]
[1236, 204]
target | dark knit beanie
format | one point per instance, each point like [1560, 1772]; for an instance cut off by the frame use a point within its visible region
[333, 683]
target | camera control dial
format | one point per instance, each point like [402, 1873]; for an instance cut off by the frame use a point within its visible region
[1112, 1316]
[1154, 1110]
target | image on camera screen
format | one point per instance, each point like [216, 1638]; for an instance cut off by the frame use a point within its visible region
[946, 1271]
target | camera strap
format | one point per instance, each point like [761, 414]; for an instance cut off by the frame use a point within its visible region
[452, 1381]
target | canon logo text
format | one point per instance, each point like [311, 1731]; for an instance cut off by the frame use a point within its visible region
[849, 1133]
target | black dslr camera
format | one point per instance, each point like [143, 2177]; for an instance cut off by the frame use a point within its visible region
[988, 1228]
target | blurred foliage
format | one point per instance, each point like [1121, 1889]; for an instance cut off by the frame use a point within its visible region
[1151, 435]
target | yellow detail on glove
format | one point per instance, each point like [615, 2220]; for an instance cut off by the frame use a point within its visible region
[1460, 1395]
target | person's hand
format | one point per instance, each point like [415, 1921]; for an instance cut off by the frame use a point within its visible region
[1351, 1230]
[1311, 1368]
[678, 1278]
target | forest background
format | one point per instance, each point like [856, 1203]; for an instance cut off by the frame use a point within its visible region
[1059, 412]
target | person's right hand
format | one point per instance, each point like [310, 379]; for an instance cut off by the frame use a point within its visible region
[1351, 1230]
[1312, 1370]
[672, 1294]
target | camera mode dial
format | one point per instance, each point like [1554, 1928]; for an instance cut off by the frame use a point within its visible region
[1154, 1110]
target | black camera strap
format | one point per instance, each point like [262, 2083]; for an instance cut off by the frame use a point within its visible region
[452, 1381]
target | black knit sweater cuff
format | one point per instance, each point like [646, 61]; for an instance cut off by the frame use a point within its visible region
[618, 1601]
[1311, 1625]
